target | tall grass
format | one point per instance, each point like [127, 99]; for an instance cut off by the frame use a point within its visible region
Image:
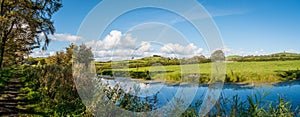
[52, 91]
[254, 106]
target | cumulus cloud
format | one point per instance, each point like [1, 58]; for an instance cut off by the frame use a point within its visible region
[128, 41]
[119, 46]
[114, 40]
[145, 47]
[189, 49]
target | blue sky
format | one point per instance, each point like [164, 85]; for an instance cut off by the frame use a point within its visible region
[246, 26]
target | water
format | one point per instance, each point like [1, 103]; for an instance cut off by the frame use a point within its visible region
[191, 93]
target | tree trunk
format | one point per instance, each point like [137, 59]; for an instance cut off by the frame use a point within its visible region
[2, 49]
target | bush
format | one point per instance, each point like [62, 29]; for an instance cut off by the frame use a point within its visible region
[52, 87]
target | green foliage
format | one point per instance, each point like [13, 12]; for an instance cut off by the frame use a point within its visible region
[140, 75]
[204, 78]
[53, 87]
[4, 74]
[289, 74]
[281, 109]
[82, 55]
[234, 77]
[62, 58]
[21, 23]
[149, 61]
[174, 77]
[273, 57]
[254, 106]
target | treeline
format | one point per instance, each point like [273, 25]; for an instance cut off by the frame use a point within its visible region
[150, 61]
[159, 60]
[273, 57]
[132, 74]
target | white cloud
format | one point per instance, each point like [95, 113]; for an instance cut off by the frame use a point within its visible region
[189, 49]
[114, 40]
[95, 45]
[114, 46]
[121, 54]
[128, 41]
[242, 52]
[145, 47]
[117, 46]
[42, 54]
[66, 37]
[62, 37]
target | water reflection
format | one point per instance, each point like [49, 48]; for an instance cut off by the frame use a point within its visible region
[166, 91]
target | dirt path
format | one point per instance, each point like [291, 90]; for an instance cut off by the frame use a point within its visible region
[10, 105]
[8, 98]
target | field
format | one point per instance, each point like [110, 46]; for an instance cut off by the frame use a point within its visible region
[265, 71]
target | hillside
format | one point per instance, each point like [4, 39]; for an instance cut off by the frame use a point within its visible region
[273, 57]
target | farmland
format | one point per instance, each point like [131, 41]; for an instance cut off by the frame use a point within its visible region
[257, 71]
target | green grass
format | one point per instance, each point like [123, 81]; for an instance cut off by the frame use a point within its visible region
[266, 71]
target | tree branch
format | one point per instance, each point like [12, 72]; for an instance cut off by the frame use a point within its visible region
[2, 7]
[10, 29]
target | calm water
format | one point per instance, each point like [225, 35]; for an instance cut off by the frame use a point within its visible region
[194, 93]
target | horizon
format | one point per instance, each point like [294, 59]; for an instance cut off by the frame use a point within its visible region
[207, 57]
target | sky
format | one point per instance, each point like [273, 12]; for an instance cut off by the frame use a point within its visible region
[246, 27]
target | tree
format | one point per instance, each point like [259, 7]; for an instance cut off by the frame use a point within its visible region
[23, 22]
[62, 58]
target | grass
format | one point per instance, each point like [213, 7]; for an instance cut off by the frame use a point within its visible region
[252, 107]
[265, 71]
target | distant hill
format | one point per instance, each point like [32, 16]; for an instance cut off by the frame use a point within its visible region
[286, 54]
[233, 57]
[273, 57]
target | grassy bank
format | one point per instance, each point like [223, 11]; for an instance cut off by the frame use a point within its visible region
[265, 71]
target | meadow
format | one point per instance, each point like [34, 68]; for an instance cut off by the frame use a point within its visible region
[262, 71]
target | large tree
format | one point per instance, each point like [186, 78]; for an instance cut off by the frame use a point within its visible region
[22, 22]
